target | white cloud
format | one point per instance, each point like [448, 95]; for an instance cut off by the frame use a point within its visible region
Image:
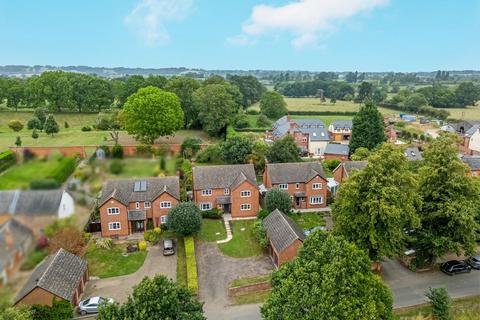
[148, 18]
[304, 19]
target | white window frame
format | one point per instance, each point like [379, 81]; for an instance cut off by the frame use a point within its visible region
[137, 205]
[226, 191]
[147, 204]
[165, 205]
[317, 186]
[112, 226]
[245, 194]
[204, 206]
[163, 219]
[283, 186]
[207, 192]
[245, 207]
[297, 185]
[112, 212]
[316, 199]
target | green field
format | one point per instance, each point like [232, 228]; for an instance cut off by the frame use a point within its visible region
[19, 176]
[74, 136]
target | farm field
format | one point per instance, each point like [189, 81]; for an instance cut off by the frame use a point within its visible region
[74, 136]
[469, 113]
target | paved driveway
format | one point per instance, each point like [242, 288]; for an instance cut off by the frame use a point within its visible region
[119, 288]
[215, 271]
[409, 288]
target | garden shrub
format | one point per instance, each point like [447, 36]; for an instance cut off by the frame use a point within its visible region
[60, 310]
[34, 123]
[157, 230]
[252, 111]
[241, 121]
[190, 146]
[192, 276]
[7, 159]
[214, 213]
[86, 128]
[116, 166]
[117, 151]
[211, 153]
[63, 170]
[278, 199]
[185, 218]
[104, 243]
[260, 234]
[44, 184]
[441, 303]
[15, 125]
[28, 154]
[163, 163]
[262, 214]
[34, 134]
[142, 245]
[149, 224]
[68, 238]
[106, 149]
[151, 236]
[331, 164]
[262, 121]
[144, 150]
[66, 125]
[59, 224]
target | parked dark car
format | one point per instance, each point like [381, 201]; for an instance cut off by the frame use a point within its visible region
[454, 267]
[168, 248]
[474, 262]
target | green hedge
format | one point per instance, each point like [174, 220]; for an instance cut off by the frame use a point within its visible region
[44, 184]
[251, 129]
[7, 159]
[63, 170]
[322, 113]
[192, 277]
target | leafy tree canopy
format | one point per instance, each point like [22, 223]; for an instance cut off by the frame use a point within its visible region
[368, 128]
[329, 279]
[273, 105]
[51, 126]
[284, 150]
[184, 88]
[278, 199]
[374, 205]
[236, 149]
[151, 113]
[185, 218]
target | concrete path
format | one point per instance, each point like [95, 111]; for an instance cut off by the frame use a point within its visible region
[216, 271]
[119, 288]
[226, 220]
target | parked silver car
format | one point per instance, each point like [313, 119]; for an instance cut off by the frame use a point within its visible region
[168, 248]
[91, 305]
[474, 262]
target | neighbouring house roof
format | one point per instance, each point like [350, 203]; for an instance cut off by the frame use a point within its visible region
[281, 230]
[342, 124]
[59, 273]
[349, 166]
[143, 189]
[464, 126]
[307, 125]
[473, 162]
[294, 172]
[337, 149]
[413, 153]
[14, 237]
[227, 176]
[470, 132]
[31, 202]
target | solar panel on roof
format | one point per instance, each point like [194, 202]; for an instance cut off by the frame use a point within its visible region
[136, 186]
[143, 185]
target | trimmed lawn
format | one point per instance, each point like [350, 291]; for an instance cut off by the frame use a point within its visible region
[111, 263]
[19, 176]
[252, 297]
[34, 258]
[308, 220]
[212, 230]
[462, 309]
[138, 167]
[250, 280]
[244, 244]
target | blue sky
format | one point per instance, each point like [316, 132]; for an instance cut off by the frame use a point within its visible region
[336, 35]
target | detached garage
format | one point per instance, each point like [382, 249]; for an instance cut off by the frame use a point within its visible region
[284, 235]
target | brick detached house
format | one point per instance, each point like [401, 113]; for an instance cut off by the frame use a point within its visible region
[127, 205]
[284, 235]
[344, 169]
[310, 134]
[473, 163]
[61, 276]
[232, 188]
[336, 151]
[306, 182]
[16, 241]
[341, 130]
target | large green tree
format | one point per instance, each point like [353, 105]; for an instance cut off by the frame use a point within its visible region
[368, 128]
[273, 105]
[184, 88]
[329, 279]
[467, 94]
[155, 298]
[284, 150]
[374, 205]
[236, 149]
[278, 199]
[250, 88]
[216, 107]
[185, 218]
[151, 113]
[451, 202]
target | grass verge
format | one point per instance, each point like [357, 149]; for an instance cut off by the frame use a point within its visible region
[252, 297]
[244, 244]
[106, 263]
[249, 280]
[181, 263]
